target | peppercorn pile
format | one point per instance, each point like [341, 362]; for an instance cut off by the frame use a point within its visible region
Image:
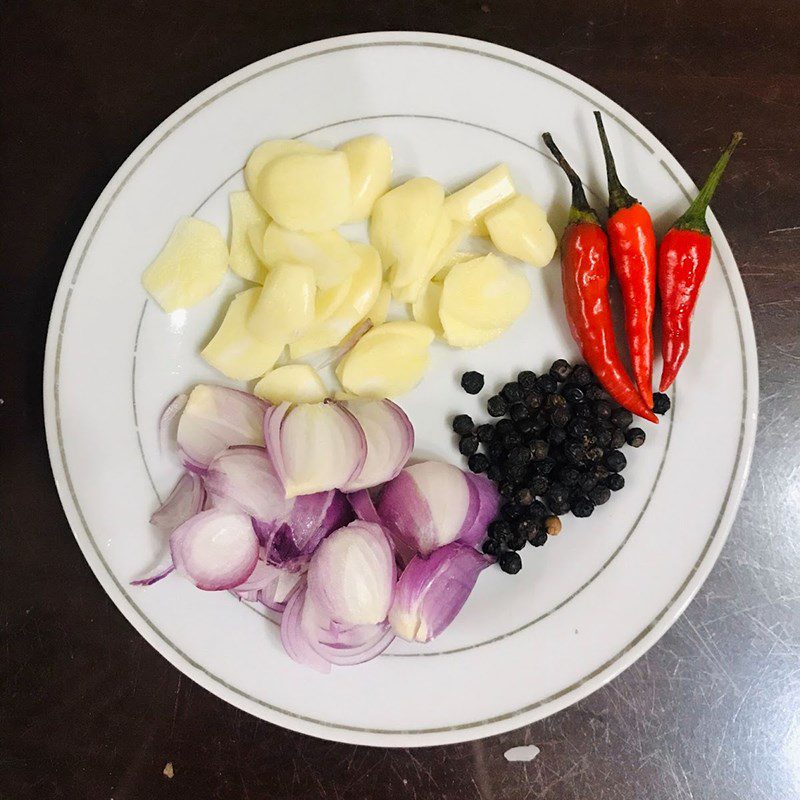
[555, 448]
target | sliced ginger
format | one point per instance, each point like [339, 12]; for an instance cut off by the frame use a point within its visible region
[328, 253]
[306, 191]
[236, 352]
[285, 307]
[468, 205]
[248, 223]
[189, 268]
[267, 152]
[480, 299]
[292, 383]
[361, 296]
[519, 228]
[370, 162]
[387, 360]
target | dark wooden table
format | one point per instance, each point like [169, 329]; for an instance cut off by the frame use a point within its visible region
[88, 711]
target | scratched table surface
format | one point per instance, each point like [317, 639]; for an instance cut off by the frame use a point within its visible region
[89, 711]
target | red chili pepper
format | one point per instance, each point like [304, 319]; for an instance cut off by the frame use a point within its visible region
[682, 265]
[633, 254]
[585, 273]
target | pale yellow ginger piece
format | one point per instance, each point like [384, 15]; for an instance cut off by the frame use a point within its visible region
[484, 293]
[306, 192]
[189, 268]
[402, 225]
[362, 294]
[267, 152]
[293, 383]
[248, 223]
[459, 334]
[426, 307]
[387, 360]
[519, 228]
[409, 292]
[328, 253]
[448, 264]
[370, 162]
[380, 308]
[233, 350]
[285, 307]
[468, 205]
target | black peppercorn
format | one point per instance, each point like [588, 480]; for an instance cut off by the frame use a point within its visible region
[578, 428]
[559, 417]
[582, 506]
[527, 380]
[547, 384]
[495, 449]
[538, 484]
[621, 418]
[493, 473]
[528, 527]
[554, 401]
[561, 507]
[512, 392]
[600, 495]
[511, 512]
[543, 466]
[492, 548]
[507, 488]
[463, 424]
[560, 369]
[603, 409]
[615, 482]
[594, 453]
[572, 393]
[510, 562]
[524, 496]
[635, 437]
[468, 445]
[536, 510]
[581, 375]
[519, 455]
[534, 399]
[661, 403]
[539, 423]
[478, 462]
[499, 530]
[518, 411]
[539, 539]
[511, 439]
[504, 426]
[603, 438]
[539, 449]
[515, 472]
[617, 439]
[472, 382]
[485, 432]
[595, 392]
[556, 436]
[525, 426]
[568, 476]
[586, 481]
[574, 452]
[496, 406]
[616, 461]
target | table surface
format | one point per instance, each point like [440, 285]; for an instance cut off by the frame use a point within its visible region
[89, 710]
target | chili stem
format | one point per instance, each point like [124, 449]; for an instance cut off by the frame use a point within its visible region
[694, 218]
[580, 211]
[618, 195]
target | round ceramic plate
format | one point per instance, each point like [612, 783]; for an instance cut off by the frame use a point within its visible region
[585, 606]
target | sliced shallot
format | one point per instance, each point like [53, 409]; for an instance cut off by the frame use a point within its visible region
[215, 549]
[314, 447]
[214, 418]
[433, 589]
[390, 440]
[352, 574]
[184, 501]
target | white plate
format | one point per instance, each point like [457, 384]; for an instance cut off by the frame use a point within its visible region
[586, 605]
